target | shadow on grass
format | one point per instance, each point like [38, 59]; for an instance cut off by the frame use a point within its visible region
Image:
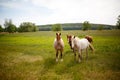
[69, 52]
[59, 67]
[49, 63]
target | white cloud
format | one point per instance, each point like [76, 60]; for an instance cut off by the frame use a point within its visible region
[96, 11]
[62, 11]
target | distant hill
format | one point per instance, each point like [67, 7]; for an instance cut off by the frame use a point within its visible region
[75, 26]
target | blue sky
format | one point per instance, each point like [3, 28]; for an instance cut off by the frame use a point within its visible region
[59, 11]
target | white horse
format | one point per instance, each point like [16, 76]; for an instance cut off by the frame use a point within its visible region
[79, 45]
[58, 45]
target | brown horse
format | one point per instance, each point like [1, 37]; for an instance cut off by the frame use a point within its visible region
[59, 46]
[69, 40]
[89, 38]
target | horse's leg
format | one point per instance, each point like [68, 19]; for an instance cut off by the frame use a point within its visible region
[61, 55]
[79, 56]
[74, 54]
[86, 53]
[56, 55]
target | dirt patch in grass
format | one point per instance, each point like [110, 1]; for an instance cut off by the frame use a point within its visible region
[31, 58]
[27, 58]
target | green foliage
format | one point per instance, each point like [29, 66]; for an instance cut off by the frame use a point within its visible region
[118, 22]
[9, 26]
[27, 27]
[100, 27]
[57, 27]
[1, 29]
[75, 26]
[86, 26]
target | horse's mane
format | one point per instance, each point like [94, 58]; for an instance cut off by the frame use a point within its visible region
[75, 38]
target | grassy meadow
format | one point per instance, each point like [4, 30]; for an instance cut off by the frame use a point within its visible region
[31, 56]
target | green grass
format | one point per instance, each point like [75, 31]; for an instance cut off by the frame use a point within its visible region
[31, 56]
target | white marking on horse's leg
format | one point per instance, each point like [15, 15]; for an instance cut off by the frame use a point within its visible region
[61, 55]
[61, 60]
[56, 59]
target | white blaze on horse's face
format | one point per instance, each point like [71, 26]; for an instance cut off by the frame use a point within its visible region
[58, 36]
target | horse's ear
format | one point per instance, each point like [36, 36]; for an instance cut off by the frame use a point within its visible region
[60, 33]
[74, 36]
[56, 33]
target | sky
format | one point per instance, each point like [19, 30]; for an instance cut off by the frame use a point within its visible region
[42, 12]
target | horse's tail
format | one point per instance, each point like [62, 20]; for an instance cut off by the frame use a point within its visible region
[91, 47]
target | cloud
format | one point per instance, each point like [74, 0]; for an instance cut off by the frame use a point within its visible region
[62, 11]
[96, 11]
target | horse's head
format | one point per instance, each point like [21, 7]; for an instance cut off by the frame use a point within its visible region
[69, 39]
[58, 36]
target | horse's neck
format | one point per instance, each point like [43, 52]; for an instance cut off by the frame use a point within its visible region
[76, 39]
[58, 40]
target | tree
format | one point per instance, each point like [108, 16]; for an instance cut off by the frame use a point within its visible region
[56, 27]
[27, 27]
[86, 25]
[118, 22]
[1, 29]
[9, 26]
[100, 27]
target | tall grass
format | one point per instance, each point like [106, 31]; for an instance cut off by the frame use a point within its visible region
[31, 56]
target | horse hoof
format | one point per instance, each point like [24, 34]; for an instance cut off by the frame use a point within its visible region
[56, 60]
[61, 60]
[79, 61]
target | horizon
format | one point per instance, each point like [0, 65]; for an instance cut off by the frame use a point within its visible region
[78, 23]
[44, 12]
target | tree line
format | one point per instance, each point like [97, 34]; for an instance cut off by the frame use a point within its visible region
[24, 27]
[87, 26]
[31, 27]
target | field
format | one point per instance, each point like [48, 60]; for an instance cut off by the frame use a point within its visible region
[31, 56]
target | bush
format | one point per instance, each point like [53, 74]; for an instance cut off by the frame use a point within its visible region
[100, 27]
[27, 27]
[118, 22]
[86, 26]
[9, 26]
[57, 27]
[1, 29]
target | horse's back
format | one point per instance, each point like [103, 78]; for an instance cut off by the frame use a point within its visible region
[83, 43]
